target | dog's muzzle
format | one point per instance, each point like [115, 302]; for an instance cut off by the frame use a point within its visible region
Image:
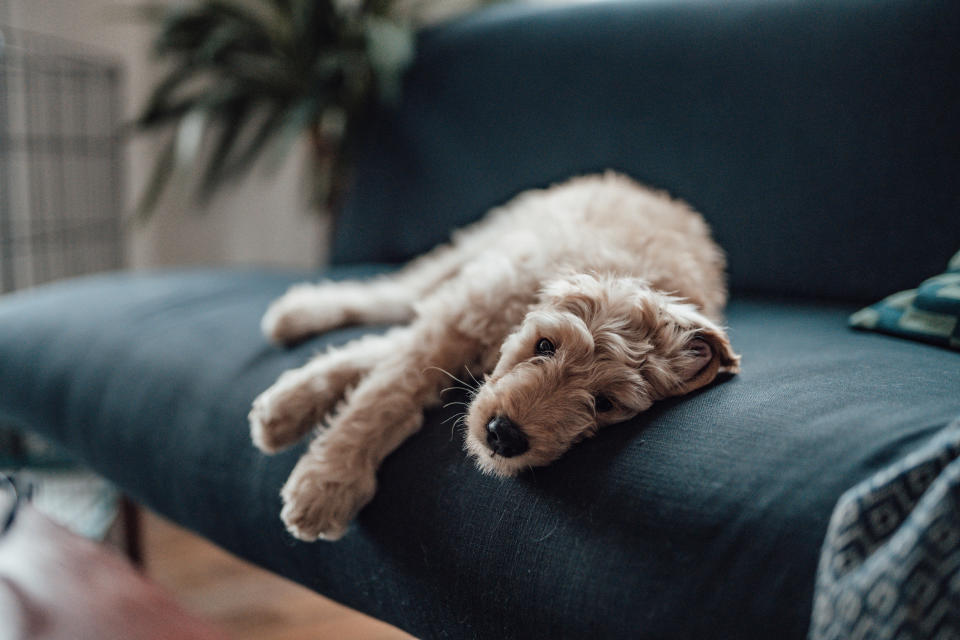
[505, 438]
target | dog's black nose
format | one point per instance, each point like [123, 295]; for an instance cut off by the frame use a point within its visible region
[505, 438]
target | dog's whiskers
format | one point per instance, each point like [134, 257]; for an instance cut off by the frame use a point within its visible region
[470, 392]
[465, 386]
[473, 377]
[459, 423]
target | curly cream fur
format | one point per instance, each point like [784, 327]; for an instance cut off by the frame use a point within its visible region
[623, 280]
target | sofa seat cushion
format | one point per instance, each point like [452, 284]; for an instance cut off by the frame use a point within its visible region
[704, 517]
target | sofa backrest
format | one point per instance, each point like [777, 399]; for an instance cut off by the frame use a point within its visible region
[820, 139]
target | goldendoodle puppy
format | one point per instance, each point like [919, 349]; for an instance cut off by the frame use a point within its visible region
[580, 305]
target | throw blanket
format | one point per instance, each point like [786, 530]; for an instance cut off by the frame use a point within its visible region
[890, 565]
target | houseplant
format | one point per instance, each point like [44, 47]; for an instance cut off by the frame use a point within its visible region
[246, 78]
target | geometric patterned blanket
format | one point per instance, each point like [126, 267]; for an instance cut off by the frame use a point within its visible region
[890, 563]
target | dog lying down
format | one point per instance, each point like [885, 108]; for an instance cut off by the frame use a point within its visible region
[579, 305]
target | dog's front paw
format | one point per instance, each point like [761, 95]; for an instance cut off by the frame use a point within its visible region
[302, 311]
[270, 433]
[319, 502]
[280, 416]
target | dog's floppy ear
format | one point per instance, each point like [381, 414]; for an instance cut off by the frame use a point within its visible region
[695, 346]
[707, 353]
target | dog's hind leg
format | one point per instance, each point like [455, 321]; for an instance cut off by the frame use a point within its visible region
[309, 309]
[301, 398]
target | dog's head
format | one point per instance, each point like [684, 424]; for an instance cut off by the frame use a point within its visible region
[595, 350]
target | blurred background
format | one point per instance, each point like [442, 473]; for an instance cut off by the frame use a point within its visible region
[73, 72]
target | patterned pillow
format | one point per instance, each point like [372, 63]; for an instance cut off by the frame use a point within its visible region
[930, 313]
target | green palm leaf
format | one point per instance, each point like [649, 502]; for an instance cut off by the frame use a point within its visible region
[231, 126]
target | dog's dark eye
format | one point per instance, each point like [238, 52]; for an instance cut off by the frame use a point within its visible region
[602, 403]
[545, 347]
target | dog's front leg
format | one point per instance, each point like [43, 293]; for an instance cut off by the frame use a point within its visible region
[336, 477]
[301, 398]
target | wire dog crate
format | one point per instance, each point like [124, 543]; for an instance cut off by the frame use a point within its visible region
[60, 169]
[60, 216]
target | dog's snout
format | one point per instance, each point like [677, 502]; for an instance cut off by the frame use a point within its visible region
[505, 438]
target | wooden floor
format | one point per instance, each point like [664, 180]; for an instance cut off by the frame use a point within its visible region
[246, 602]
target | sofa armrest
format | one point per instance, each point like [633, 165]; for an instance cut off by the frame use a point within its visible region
[818, 138]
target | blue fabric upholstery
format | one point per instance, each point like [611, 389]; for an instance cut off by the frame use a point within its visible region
[702, 518]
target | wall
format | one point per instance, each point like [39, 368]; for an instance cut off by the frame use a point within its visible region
[264, 220]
